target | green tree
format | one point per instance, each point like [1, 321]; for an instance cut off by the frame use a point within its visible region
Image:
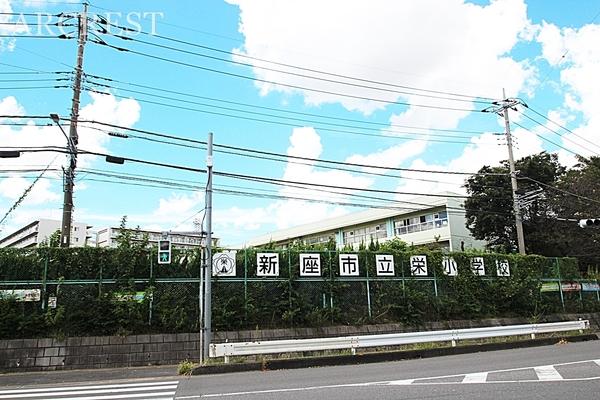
[489, 207]
[53, 240]
[583, 180]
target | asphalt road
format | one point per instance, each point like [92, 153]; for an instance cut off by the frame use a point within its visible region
[569, 371]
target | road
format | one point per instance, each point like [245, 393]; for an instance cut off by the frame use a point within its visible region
[569, 371]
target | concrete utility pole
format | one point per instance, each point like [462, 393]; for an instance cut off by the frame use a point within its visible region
[501, 108]
[206, 337]
[65, 233]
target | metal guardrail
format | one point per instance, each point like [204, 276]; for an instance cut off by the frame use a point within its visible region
[353, 342]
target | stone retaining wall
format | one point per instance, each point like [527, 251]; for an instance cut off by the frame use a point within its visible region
[170, 349]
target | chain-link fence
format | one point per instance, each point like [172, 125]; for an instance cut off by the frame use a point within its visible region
[99, 292]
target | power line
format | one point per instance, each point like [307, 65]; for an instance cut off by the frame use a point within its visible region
[272, 108]
[324, 129]
[104, 21]
[254, 79]
[284, 117]
[256, 151]
[544, 138]
[231, 61]
[559, 190]
[561, 126]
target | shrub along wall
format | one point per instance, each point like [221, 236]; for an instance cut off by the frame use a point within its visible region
[123, 291]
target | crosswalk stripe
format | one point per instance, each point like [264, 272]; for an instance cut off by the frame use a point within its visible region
[142, 390]
[547, 373]
[141, 385]
[26, 394]
[108, 396]
[478, 377]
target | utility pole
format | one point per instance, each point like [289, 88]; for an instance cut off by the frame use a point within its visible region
[65, 233]
[501, 108]
[208, 265]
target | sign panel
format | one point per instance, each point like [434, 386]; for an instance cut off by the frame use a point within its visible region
[570, 287]
[384, 265]
[310, 264]
[348, 264]
[478, 266]
[590, 286]
[418, 265]
[22, 294]
[224, 263]
[52, 301]
[450, 267]
[502, 268]
[267, 264]
[549, 287]
[137, 296]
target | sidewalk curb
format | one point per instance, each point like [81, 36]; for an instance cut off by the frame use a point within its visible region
[295, 363]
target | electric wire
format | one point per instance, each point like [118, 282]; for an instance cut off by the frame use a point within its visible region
[231, 61]
[271, 108]
[254, 79]
[292, 118]
[245, 56]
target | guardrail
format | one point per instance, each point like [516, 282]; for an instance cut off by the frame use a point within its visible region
[353, 342]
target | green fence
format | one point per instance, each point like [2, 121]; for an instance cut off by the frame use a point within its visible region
[122, 291]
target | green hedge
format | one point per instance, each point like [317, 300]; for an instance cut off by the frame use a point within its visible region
[95, 288]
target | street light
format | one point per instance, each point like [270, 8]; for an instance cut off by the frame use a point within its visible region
[56, 119]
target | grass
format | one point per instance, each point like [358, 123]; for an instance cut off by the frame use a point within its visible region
[185, 367]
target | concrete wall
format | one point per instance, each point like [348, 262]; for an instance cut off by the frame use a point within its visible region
[170, 349]
[97, 352]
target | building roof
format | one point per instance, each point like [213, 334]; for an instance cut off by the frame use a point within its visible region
[404, 207]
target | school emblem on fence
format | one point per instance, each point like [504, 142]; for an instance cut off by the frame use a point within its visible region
[224, 264]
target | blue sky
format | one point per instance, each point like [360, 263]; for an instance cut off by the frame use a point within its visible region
[544, 52]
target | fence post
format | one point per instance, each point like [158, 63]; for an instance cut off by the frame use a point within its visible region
[330, 284]
[368, 286]
[245, 286]
[151, 303]
[403, 283]
[44, 279]
[435, 286]
[289, 257]
[562, 298]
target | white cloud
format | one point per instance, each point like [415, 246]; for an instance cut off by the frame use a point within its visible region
[47, 192]
[575, 53]
[485, 149]
[460, 48]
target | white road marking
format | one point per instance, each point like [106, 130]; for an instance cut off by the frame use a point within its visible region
[470, 378]
[148, 390]
[66, 388]
[479, 377]
[547, 373]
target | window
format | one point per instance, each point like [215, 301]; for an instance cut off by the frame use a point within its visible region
[420, 223]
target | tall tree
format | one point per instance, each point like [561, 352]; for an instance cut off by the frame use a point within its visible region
[489, 207]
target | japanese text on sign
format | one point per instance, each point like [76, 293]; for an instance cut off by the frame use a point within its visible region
[349, 265]
[478, 266]
[449, 265]
[384, 265]
[418, 265]
[310, 265]
[267, 264]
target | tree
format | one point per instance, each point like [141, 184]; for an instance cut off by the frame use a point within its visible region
[581, 180]
[53, 240]
[125, 236]
[489, 207]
